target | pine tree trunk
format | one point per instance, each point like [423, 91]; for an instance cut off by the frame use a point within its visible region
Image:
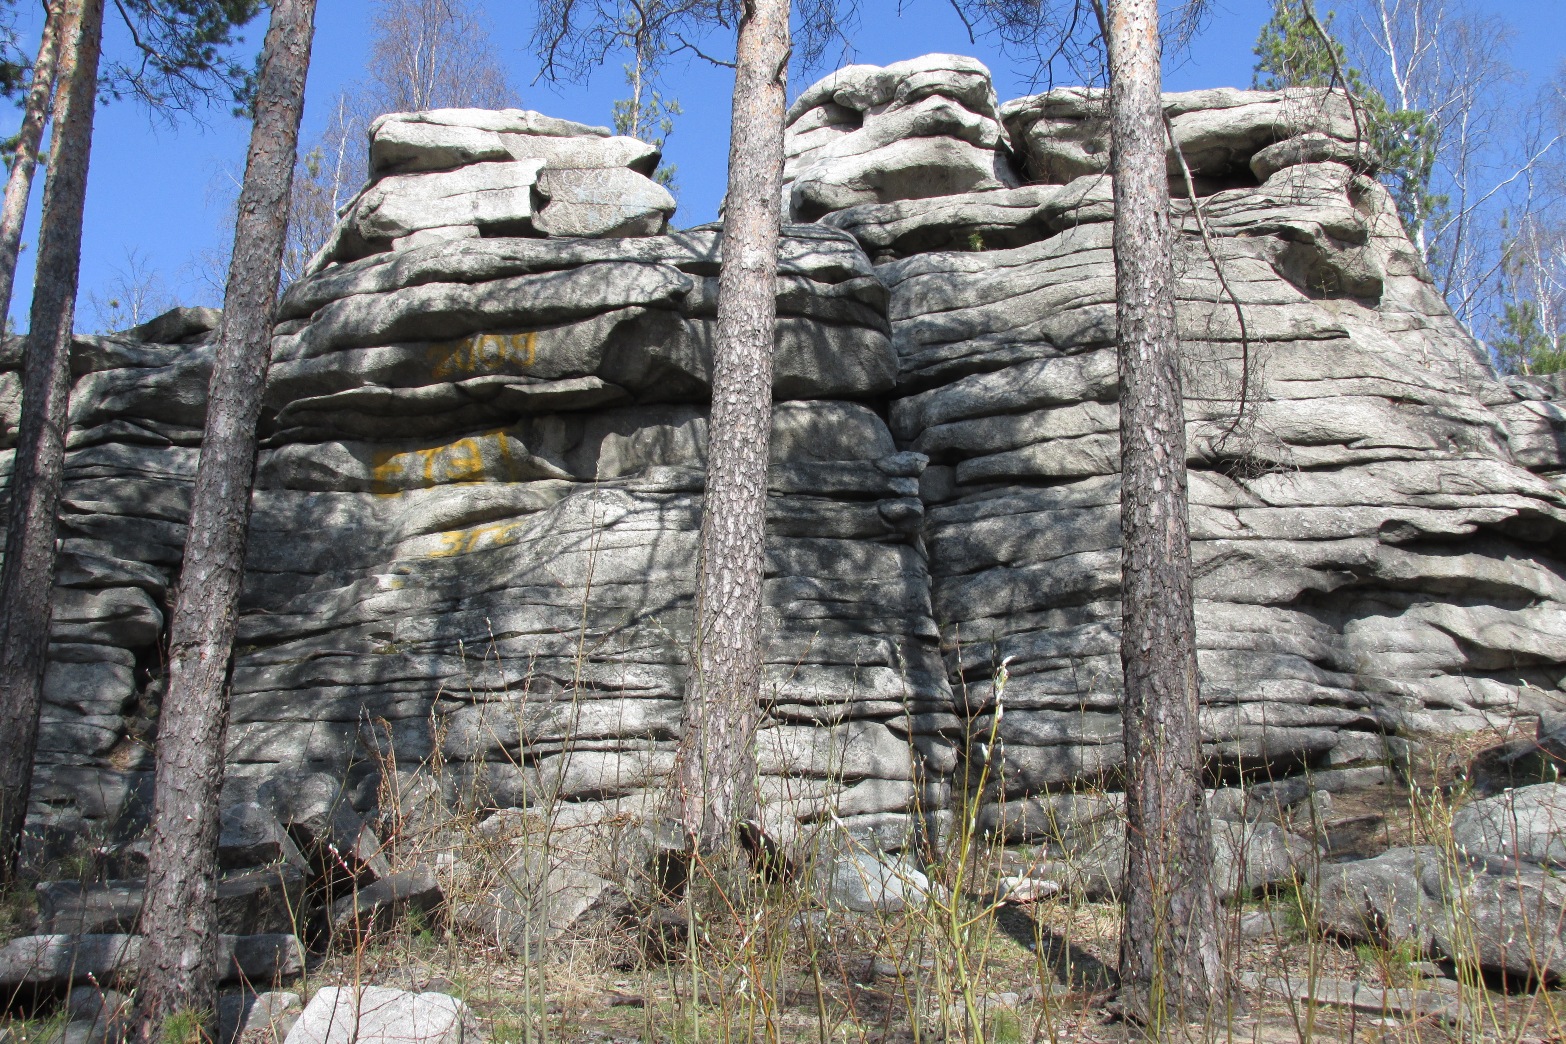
[1169, 963]
[27, 577]
[716, 764]
[178, 920]
[19, 186]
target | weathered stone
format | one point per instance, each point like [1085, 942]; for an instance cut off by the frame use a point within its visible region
[251, 836]
[496, 195]
[610, 202]
[56, 962]
[544, 897]
[863, 882]
[380, 1015]
[1527, 824]
[378, 903]
[1500, 916]
[318, 807]
[476, 524]
[245, 1017]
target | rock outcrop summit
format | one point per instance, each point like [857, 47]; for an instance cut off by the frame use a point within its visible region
[478, 498]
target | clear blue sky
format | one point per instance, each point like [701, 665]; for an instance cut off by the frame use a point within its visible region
[151, 186]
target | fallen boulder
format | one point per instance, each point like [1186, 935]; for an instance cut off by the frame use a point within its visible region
[380, 1015]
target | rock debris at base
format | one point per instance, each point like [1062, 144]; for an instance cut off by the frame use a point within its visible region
[478, 497]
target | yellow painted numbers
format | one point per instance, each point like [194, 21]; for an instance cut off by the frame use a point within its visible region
[476, 458]
[481, 353]
[461, 541]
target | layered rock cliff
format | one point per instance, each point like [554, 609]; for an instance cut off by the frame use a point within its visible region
[478, 498]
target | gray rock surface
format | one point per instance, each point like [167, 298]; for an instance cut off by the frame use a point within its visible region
[601, 202]
[1498, 915]
[864, 135]
[250, 1018]
[380, 1015]
[448, 174]
[862, 882]
[57, 962]
[478, 501]
[1527, 824]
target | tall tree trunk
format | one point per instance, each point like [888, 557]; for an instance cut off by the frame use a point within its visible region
[19, 186]
[178, 920]
[28, 573]
[1169, 962]
[716, 764]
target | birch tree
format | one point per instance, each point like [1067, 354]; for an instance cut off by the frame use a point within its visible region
[19, 184]
[179, 915]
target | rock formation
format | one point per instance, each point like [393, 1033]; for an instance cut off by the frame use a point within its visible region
[476, 517]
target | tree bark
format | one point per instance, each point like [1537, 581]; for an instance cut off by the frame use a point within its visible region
[28, 573]
[178, 920]
[1169, 963]
[715, 789]
[19, 186]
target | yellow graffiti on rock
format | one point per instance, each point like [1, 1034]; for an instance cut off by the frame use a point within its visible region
[481, 353]
[461, 541]
[476, 458]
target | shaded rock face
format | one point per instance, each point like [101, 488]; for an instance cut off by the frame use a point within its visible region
[476, 520]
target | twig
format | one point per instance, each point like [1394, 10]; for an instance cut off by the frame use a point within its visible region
[1223, 283]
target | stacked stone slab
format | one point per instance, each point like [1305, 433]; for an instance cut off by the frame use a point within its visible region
[867, 134]
[450, 174]
[1372, 552]
[496, 448]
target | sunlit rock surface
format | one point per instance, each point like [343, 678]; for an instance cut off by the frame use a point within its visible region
[476, 519]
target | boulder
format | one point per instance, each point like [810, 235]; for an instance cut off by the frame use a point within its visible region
[251, 836]
[1527, 824]
[437, 139]
[1064, 133]
[317, 807]
[540, 901]
[250, 1018]
[1500, 916]
[382, 901]
[484, 195]
[865, 882]
[911, 130]
[381, 1015]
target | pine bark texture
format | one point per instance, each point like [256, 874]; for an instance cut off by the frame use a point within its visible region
[716, 764]
[30, 540]
[1169, 962]
[178, 921]
[19, 186]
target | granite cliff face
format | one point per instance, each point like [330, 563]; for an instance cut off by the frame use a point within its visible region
[478, 499]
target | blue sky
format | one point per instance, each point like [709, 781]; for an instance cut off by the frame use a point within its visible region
[154, 189]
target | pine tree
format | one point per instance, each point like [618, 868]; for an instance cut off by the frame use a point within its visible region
[27, 577]
[179, 915]
[1169, 962]
[715, 787]
[24, 158]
